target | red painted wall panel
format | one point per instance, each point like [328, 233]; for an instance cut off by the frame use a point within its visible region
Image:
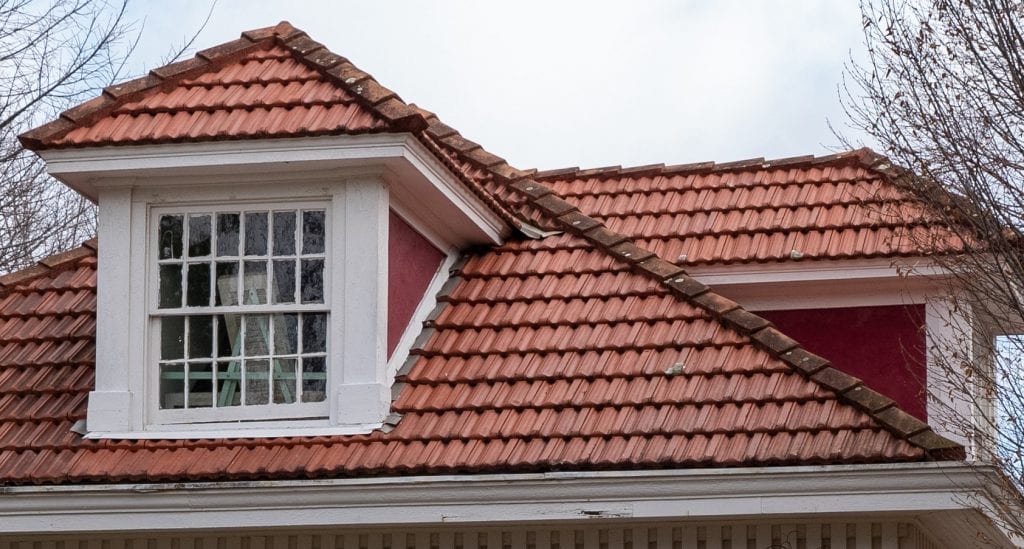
[412, 263]
[884, 346]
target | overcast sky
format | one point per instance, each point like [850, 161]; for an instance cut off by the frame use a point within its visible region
[550, 84]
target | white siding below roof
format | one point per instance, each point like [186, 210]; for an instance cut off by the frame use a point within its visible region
[732, 535]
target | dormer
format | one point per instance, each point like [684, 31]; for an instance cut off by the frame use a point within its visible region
[272, 233]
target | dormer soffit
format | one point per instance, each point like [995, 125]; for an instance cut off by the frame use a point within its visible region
[415, 177]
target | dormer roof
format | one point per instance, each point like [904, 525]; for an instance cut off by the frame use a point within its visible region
[583, 348]
[272, 82]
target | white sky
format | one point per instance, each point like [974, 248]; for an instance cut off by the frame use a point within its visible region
[551, 84]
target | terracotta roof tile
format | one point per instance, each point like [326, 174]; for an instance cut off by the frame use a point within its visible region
[582, 381]
[836, 207]
[577, 350]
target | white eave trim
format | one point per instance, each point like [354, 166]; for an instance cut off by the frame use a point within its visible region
[85, 168]
[468, 499]
[815, 271]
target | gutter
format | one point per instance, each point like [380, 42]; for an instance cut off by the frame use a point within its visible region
[887, 489]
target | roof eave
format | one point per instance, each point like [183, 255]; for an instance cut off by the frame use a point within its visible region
[397, 157]
[897, 490]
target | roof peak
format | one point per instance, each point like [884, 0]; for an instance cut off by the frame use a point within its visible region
[863, 156]
[378, 100]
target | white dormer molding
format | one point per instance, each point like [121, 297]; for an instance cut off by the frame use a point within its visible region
[415, 175]
[359, 179]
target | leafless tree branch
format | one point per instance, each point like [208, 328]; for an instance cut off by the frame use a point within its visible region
[942, 93]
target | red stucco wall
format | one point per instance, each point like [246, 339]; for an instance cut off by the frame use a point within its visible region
[884, 346]
[412, 262]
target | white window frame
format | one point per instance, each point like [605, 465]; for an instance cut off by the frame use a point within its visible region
[225, 415]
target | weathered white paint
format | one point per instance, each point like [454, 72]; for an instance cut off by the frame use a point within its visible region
[936, 490]
[110, 405]
[849, 533]
[359, 341]
[419, 178]
[950, 342]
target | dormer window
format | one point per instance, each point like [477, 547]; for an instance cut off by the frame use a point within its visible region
[255, 288]
[240, 312]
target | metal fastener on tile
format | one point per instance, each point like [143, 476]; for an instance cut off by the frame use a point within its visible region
[795, 254]
[675, 369]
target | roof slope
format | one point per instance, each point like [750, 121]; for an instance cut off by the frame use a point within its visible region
[833, 207]
[272, 82]
[544, 356]
[573, 351]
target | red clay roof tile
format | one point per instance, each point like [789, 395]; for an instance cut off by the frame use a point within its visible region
[583, 387]
[557, 352]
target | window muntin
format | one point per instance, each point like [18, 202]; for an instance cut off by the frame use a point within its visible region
[240, 314]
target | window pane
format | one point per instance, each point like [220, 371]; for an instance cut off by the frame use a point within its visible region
[229, 383]
[200, 385]
[284, 281]
[284, 233]
[169, 239]
[257, 386]
[229, 329]
[172, 386]
[257, 335]
[227, 284]
[286, 334]
[227, 234]
[314, 379]
[198, 235]
[200, 336]
[312, 232]
[256, 233]
[255, 291]
[312, 281]
[172, 337]
[284, 380]
[170, 286]
[198, 285]
[314, 333]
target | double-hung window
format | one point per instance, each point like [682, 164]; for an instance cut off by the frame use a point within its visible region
[240, 312]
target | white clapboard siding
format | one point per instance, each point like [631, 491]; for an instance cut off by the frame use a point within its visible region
[752, 535]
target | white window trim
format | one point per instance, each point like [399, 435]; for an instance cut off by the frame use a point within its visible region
[222, 417]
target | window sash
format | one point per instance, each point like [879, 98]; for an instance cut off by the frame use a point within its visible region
[249, 412]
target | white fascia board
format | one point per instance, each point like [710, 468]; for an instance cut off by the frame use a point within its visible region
[86, 168]
[827, 283]
[811, 491]
[815, 270]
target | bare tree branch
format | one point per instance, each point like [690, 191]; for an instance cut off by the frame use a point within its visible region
[54, 54]
[942, 92]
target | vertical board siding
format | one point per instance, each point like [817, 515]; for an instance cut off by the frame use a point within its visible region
[759, 535]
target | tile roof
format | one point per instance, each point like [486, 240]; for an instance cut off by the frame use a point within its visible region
[840, 206]
[576, 350]
[545, 356]
[272, 82]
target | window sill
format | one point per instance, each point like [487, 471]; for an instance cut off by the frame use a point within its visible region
[262, 430]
